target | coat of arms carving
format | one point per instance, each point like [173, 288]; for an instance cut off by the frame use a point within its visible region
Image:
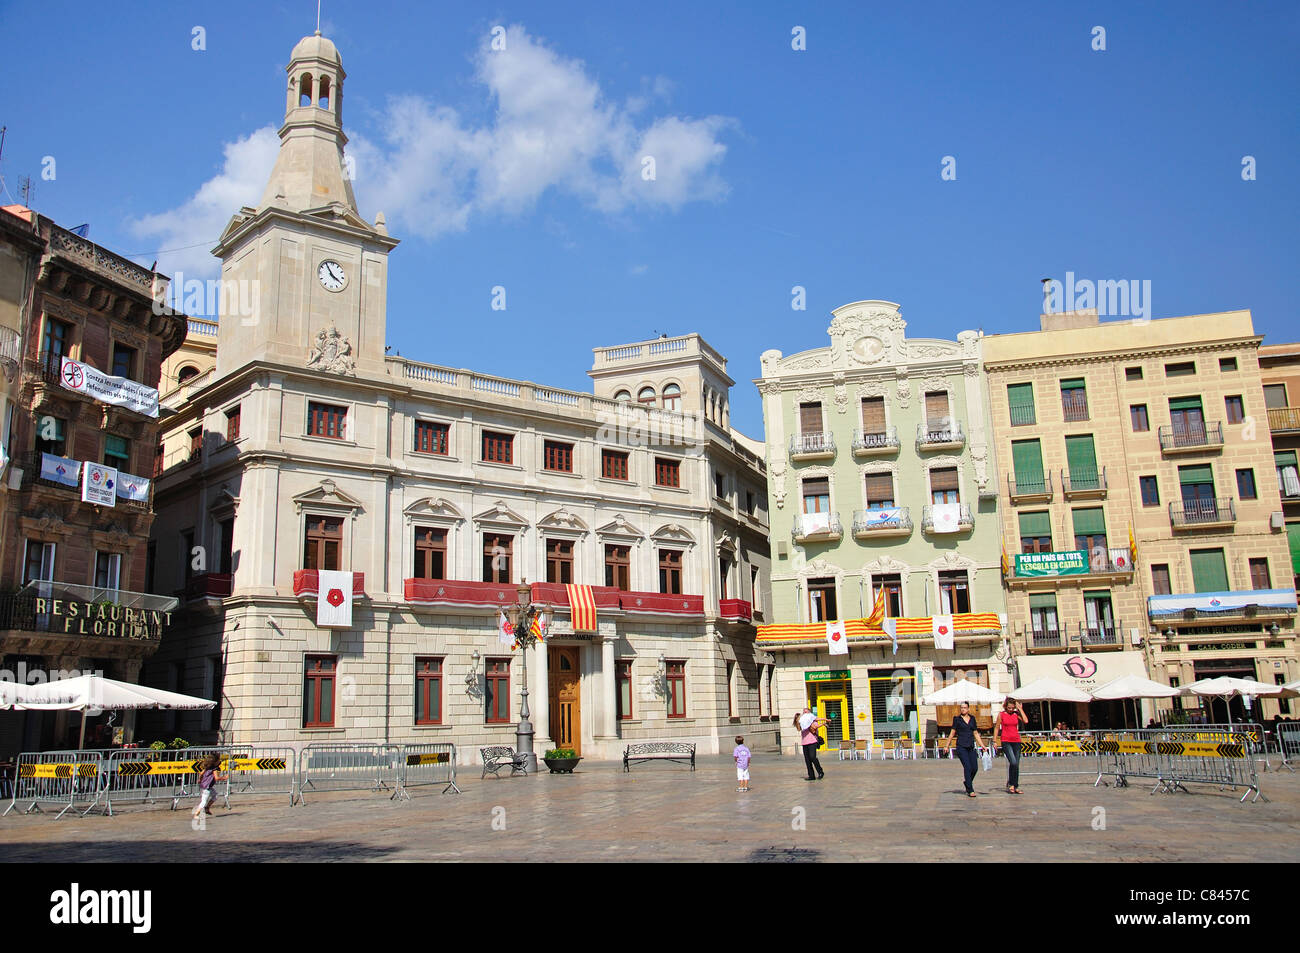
[332, 352]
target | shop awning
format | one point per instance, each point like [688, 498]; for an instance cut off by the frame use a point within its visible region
[1229, 603]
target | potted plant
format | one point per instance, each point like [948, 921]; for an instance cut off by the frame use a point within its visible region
[561, 760]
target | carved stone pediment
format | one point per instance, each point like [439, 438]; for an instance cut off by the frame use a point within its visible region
[562, 519]
[886, 564]
[619, 527]
[673, 533]
[327, 495]
[953, 560]
[502, 514]
[432, 508]
[820, 567]
[332, 353]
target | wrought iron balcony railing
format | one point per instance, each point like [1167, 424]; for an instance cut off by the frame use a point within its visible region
[965, 520]
[1192, 513]
[1205, 436]
[1033, 486]
[934, 434]
[891, 521]
[814, 526]
[1083, 482]
[812, 445]
[875, 441]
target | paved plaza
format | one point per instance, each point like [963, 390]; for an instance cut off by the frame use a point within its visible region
[863, 811]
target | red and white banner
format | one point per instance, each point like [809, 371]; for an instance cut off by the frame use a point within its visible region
[334, 599]
[942, 630]
[582, 607]
[837, 638]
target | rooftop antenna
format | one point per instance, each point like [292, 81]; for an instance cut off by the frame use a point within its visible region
[318, 17]
[25, 189]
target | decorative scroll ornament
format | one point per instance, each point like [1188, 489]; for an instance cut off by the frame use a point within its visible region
[841, 393]
[332, 353]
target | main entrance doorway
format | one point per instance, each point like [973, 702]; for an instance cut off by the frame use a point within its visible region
[565, 699]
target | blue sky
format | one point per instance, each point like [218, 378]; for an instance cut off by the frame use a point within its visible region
[819, 168]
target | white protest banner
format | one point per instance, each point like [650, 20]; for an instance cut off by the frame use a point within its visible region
[119, 391]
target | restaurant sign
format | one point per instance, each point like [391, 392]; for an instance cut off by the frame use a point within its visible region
[105, 619]
[834, 675]
[1070, 563]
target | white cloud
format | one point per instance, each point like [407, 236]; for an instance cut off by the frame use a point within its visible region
[638, 269]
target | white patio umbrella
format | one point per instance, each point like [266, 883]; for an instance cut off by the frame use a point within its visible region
[17, 695]
[91, 692]
[963, 690]
[1294, 686]
[1225, 686]
[1049, 690]
[1135, 687]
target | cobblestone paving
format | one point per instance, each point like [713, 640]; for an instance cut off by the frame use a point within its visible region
[863, 811]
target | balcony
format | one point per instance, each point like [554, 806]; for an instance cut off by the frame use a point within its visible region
[659, 603]
[872, 444]
[30, 464]
[1284, 419]
[735, 610]
[886, 521]
[816, 527]
[1200, 438]
[1052, 570]
[1022, 415]
[1044, 640]
[306, 583]
[1104, 636]
[209, 585]
[1203, 514]
[965, 521]
[1036, 488]
[1247, 606]
[1074, 407]
[812, 446]
[939, 435]
[1083, 484]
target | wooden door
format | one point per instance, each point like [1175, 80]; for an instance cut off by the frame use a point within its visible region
[566, 712]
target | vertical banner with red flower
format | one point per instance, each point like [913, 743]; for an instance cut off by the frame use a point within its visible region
[334, 599]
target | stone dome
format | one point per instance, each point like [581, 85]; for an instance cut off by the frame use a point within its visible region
[316, 47]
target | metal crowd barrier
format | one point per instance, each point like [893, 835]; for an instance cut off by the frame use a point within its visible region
[67, 778]
[142, 775]
[425, 764]
[1223, 755]
[347, 767]
[1288, 743]
[261, 770]
[1045, 755]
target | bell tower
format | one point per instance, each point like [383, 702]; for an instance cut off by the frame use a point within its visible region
[304, 276]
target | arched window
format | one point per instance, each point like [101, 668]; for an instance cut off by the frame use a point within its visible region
[672, 397]
[324, 101]
[646, 395]
[186, 372]
[304, 90]
[623, 395]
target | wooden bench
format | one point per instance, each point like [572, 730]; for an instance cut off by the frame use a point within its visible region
[497, 757]
[679, 751]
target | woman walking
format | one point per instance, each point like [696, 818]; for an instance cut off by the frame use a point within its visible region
[967, 736]
[1007, 734]
[808, 723]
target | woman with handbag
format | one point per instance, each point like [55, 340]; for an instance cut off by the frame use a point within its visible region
[967, 735]
[1006, 732]
[808, 723]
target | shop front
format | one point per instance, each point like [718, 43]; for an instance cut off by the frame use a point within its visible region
[1087, 672]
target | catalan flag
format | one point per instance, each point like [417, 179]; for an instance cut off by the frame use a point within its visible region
[1006, 563]
[538, 626]
[582, 608]
[1132, 547]
[877, 611]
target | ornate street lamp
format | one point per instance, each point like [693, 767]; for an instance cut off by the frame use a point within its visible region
[523, 614]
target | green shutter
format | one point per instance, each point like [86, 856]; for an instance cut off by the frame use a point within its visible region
[1035, 525]
[1020, 397]
[1285, 458]
[1090, 522]
[1082, 460]
[1209, 571]
[1027, 458]
[1293, 537]
[1184, 403]
[1042, 600]
[1072, 384]
[1190, 475]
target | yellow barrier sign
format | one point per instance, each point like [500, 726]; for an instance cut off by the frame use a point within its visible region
[439, 757]
[59, 769]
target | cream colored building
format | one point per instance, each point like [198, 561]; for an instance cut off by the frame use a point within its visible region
[306, 447]
[1157, 426]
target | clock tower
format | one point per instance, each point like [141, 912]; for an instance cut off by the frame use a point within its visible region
[304, 276]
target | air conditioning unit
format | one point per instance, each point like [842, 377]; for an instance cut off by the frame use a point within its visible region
[1277, 521]
[782, 550]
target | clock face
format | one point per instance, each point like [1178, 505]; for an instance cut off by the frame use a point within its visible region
[332, 276]
[868, 348]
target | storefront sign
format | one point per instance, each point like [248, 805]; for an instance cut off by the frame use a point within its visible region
[118, 391]
[831, 676]
[105, 619]
[1073, 562]
[1086, 672]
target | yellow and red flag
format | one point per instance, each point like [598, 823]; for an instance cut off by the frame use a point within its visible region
[582, 607]
[877, 611]
[1132, 547]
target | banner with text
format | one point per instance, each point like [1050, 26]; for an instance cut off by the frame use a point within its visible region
[118, 391]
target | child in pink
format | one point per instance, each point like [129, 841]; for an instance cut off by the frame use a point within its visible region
[741, 754]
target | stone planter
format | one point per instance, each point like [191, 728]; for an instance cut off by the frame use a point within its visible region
[561, 765]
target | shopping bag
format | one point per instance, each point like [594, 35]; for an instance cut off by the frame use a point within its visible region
[987, 759]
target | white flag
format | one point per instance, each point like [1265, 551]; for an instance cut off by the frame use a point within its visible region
[334, 599]
[505, 631]
[130, 487]
[1120, 558]
[946, 517]
[890, 628]
[837, 638]
[942, 628]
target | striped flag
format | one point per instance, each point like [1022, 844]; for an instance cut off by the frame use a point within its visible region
[1132, 547]
[582, 607]
[538, 626]
[877, 611]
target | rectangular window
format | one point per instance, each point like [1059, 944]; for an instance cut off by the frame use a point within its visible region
[1209, 570]
[498, 447]
[324, 539]
[1027, 462]
[1043, 619]
[771, 670]
[430, 553]
[196, 443]
[731, 689]
[318, 691]
[123, 361]
[954, 592]
[719, 486]
[117, 452]
[1035, 532]
[1138, 416]
[496, 694]
[1020, 398]
[39, 562]
[1160, 579]
[943, 485]
[1150, 491]
[1099, 617]
[559, 561]
[431, 437]
[108, 572]
[498, 552]
[232, 424]
[623, 669]
[938, 417]
[676, 674]
[724, 569]
[821, 601]
[1234, 408]
[668, 472]
[428, 691]
[1074, 399]
[810, 419]
[1288, 473]
[1227, 365]
[226, 532]
[558, 456]
[749, 502]
[1090, 534]
[1081, 460]
[327, 420]
[1259, 574]
[1275, 396]
[55, 344]
[1246, 484]
[618, 567]
[670, 572]
[873, 415]
[893, 588]
[613, 464]
[817, 495]
[880, 490]
[1181, 369]
[1132, 373]
[753, 588]
[159, 459]
[51, 436]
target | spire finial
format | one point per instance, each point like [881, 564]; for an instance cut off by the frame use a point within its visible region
[318, 17]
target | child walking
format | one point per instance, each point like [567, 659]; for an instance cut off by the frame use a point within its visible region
[208, 779]
[741, 754]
